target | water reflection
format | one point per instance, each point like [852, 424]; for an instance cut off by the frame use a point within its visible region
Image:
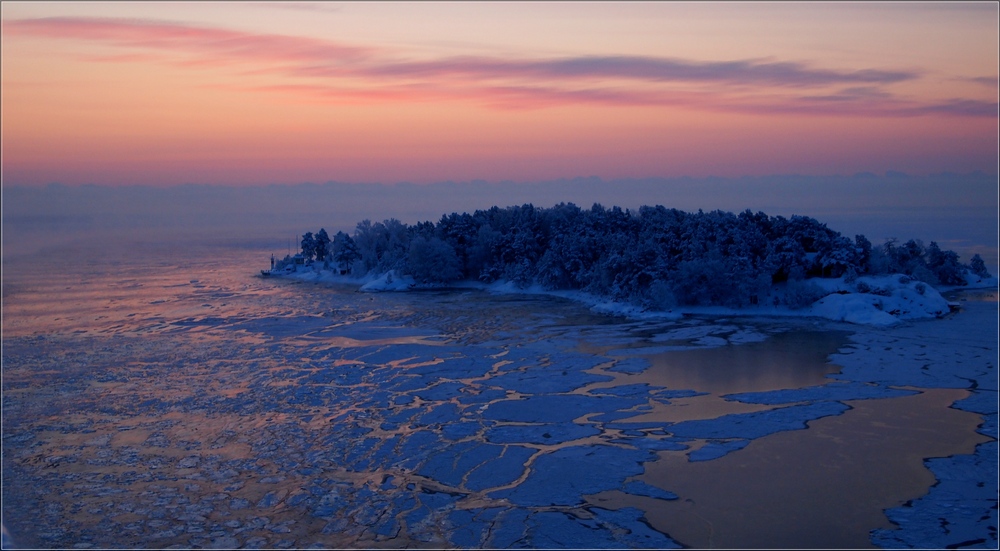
[793, 359]
[820, 488]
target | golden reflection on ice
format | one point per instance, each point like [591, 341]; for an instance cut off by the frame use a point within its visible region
[823, 487]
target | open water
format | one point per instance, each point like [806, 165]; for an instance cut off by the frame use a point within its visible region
[172, 398]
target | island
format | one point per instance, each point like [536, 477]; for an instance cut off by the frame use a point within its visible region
[650, 261]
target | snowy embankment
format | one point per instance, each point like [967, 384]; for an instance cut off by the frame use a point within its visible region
[887, 300]
[884, 300]
[870, 300]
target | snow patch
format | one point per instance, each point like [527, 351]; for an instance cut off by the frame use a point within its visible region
[389, 281]
[976, 282]
[859, 309]
[880, 301]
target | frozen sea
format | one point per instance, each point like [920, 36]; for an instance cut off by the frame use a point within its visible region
[170, 397]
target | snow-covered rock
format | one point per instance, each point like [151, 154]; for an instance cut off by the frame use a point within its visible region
[883, 300]
[390, 281]
[974, 281]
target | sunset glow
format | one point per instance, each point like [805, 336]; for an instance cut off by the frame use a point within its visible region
[234, 93]
[614, 274]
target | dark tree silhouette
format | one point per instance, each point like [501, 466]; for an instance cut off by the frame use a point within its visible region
[653, 256]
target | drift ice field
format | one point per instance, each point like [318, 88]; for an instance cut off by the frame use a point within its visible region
[184, 402]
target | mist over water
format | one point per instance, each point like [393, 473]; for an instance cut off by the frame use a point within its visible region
[959, 212]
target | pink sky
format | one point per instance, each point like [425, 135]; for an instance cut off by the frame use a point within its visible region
[257, 93]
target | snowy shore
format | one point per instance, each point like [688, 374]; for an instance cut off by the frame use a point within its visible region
[881, 301]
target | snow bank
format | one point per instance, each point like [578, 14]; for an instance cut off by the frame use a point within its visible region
[853, 308]
[883, 301]
[389, 281]
[871, 300]
[314, 273]
[976, 282]
[876, 300]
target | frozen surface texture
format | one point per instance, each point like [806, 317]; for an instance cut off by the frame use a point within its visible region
[341, 427]
[228, 413]
[960, 510]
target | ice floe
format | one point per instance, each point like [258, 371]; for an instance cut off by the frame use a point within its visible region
[388, 434]
[564, 476]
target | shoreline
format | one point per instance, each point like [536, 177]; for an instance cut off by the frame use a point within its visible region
[894, 299]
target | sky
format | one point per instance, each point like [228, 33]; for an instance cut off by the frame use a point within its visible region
[240, 93]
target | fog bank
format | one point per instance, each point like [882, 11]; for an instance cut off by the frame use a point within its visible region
[957, 211]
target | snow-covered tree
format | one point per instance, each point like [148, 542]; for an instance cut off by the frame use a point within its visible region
[654, 256]
[863, 248]
[344, 251]
[432, 261]
[322, 247]
[308, 245]
[786, 259]
[944, 266]
[978, 267]
[396, 242]
[704, 282]
[366, 237]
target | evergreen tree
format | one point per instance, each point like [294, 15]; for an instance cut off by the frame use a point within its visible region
[864, 250]
[366, 237]
[345, 251]
[653, 256]
[979, 267]
[322, 247]
[308, 245]
[433, 261]
[944, 266]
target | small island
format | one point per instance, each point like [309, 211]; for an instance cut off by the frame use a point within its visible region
[651, 260]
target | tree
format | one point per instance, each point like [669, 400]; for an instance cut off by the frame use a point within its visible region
[432, 261]
[460, 231]
[322, 244]
[881, 260]
[864, 249]
[785, 259]
[704, 282]
[383, 245]
[653, 256]
[308, 246]
[395, 245]
[366, 237]
[345, 251]
[840, 256]
[910, 256]
[566, 262]
[978, 266]
[944, 266]
[481, 262]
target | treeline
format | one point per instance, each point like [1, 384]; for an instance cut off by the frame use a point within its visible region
[654, 256]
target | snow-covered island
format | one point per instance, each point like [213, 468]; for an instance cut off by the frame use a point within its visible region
[653, 261]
